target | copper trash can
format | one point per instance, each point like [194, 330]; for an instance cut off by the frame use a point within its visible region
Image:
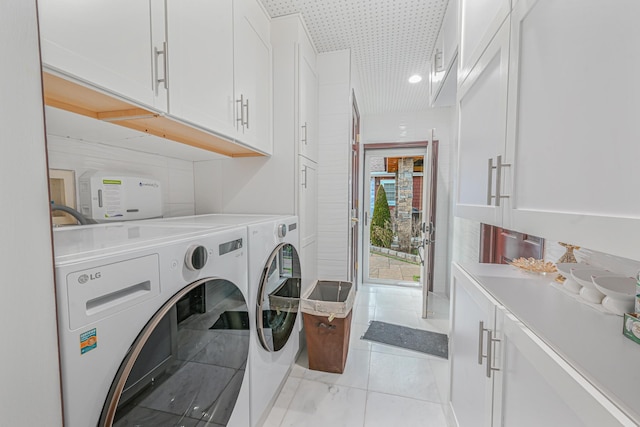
[326, 312]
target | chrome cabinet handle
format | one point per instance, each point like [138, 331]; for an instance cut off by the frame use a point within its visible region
[304, 173]
[490, 181]
[157, 54]
[499, 167]
[490, 341]
[439, 63]
[241, 115]
[304, 133]
[481, 330]
[246, 105]
[244, 120]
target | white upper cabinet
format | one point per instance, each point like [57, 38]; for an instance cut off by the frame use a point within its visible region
[252, 70]
[295, 79]
[437, 71]
[307, 101]
[200, 59]
[204, 63]
[573, 123]
[479, 22]
[116, 45]
[482, 131]
[443, 74]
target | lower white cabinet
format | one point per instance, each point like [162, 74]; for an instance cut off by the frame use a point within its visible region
[504, 375]
[308, 203]
[308, 214]
[534, 386]
[472, 317]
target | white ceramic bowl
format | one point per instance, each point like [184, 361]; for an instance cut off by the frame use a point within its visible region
[570, 283]
[620, 293]
[584, 277]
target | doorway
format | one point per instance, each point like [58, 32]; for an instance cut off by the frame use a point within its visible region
[354, 194]
[399, 223]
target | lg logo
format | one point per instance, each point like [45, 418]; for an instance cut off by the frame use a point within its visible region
[84, 278]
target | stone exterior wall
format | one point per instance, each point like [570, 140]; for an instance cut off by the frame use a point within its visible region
[377, 164]
[404, 203]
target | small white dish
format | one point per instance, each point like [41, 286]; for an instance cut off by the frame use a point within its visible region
[619, 291]
[570, 283]
[584, 277]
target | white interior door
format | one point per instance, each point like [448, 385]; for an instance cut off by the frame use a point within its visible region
[428, 220]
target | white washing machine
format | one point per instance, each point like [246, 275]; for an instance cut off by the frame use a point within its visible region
[154, 325]
[274, 292]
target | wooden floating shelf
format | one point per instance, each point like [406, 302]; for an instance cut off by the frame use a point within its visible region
[76, 98]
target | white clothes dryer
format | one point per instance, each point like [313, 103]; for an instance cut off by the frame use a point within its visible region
[274, 290]
[153, 325]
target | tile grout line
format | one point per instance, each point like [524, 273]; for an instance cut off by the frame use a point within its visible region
[366, 400]
[286, 410]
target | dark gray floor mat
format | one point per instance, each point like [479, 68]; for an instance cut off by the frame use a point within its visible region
[420, 340]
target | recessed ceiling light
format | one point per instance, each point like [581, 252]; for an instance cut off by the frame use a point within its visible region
[415, 78]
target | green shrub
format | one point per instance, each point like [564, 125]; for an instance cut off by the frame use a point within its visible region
[380, 231]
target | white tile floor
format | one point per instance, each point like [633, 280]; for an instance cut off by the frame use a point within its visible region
[381, 385]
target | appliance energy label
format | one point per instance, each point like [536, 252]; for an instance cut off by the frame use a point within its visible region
[88, 341]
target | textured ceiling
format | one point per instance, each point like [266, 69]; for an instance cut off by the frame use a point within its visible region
[389, 39]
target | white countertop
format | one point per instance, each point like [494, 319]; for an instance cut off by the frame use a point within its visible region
[591, 341]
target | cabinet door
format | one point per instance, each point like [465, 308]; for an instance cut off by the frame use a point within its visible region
[450, 33]
[443, 76]
[116, 45]
[308, 265]
[308, 201]
[479, 23]
[482, 129]
[308, 104]
[535, 387]
[200, 40]
[252, 69]
[573, 123]
[473, 313]
[438, 70]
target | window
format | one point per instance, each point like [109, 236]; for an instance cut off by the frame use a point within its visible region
[389, 188]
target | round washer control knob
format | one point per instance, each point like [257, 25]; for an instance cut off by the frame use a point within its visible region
[282, 230]
[196, 257]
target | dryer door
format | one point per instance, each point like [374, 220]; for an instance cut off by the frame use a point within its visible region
[188, 363]
[278, 297]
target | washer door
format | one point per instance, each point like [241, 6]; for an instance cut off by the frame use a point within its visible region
[278, 297]
[188, 363]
